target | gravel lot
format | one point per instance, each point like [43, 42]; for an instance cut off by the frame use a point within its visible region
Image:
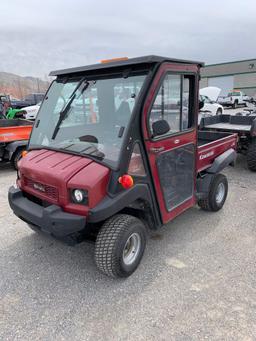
[197, 279]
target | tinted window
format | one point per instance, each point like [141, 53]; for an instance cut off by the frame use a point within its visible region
[173, 103]
[96, 116]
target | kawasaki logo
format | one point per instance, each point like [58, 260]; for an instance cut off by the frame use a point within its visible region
[204, 156]
[39, 187]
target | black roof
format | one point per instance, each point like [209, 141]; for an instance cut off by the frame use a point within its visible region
[119, 63]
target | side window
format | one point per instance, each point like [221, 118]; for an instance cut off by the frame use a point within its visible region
[173, 103]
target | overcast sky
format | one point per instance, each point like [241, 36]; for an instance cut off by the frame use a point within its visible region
[39, 36]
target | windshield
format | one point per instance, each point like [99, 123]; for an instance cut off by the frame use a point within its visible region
[206, 99]
[89, 117]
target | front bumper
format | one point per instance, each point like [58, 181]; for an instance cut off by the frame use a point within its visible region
[51, 219]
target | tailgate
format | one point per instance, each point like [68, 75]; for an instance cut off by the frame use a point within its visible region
[207, 153]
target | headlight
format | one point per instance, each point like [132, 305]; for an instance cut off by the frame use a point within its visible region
[79, 196]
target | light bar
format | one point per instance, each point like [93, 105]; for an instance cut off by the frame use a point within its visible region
[105, 61]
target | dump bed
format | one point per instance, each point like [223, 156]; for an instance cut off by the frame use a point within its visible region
[15, 130]
[211, 145]
[237, 124]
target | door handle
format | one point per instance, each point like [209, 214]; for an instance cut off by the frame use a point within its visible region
[156, 150]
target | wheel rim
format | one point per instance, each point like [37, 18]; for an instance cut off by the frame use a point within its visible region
[220, 193]
[131, 249]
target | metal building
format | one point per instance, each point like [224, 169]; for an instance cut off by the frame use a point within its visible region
[239, 75]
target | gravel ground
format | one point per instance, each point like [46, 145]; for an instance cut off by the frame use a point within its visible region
[197, 279]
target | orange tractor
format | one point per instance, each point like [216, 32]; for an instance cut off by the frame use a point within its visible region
[14, 135]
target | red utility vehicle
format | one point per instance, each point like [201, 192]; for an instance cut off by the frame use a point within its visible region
[115, 150]
[14, 135]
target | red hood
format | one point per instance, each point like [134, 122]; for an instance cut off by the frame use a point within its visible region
[56, 170]
[50, 167]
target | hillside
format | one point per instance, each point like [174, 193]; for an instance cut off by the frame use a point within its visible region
[18, 86]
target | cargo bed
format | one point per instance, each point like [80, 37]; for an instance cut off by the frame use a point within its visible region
[15, 130]
[243, 126]
[211, 145]
[238, 124]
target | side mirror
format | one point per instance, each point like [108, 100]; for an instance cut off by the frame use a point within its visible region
[201, 104]
[160, 127]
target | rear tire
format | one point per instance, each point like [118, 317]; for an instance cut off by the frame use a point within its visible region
[235, 105]
[251, 156]
[219, 112]
[16, 157]
[217, 194]
[120, 245]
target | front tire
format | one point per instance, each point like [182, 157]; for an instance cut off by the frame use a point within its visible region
[251, 156]
[217, 194]
[219, 112]
[120, 245]
[235, 105]
[16, 157]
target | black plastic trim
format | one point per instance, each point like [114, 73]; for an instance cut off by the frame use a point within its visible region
[151, 59]
[51, 219]
[112, 205]
[222, 161]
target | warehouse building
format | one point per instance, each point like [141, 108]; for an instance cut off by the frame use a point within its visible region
[238, 75]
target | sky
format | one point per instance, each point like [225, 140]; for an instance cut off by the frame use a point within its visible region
[39, 36]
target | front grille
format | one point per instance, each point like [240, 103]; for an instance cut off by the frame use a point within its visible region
[36, 200]
[46, 190]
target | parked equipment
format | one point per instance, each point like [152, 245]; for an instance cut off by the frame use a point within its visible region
[29, 113]
[14, 135]
[244, 126]
[209, 96]
[14, 113]
[31, 99]
[133, 160]
[234, 99]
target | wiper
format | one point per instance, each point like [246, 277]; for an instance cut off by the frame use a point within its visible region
[89, 149]
[93, 151]
[63, 113]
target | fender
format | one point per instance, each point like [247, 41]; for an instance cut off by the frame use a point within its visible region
[112, 205]
[202, 185]
[203, 182]
[13, 146]
[222, 161]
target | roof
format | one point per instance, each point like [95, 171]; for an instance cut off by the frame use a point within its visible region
[131, 61]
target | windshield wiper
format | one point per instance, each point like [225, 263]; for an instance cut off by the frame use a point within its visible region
[63, 113]
[88, 149]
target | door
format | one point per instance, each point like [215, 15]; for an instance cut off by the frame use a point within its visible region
[172, 155]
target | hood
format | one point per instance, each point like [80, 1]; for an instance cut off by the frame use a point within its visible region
[211, 91]
[50, 168]
[50, 175]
